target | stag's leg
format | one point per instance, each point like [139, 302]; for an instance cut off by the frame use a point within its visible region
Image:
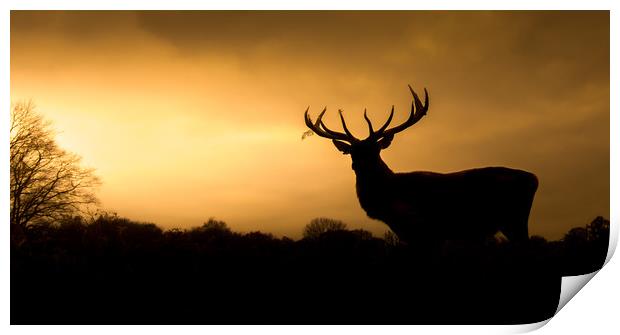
[422, 243]
[516, 229]
[515, 226]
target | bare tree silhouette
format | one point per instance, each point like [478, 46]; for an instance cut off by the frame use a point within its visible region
[428, 207]
[46, 182]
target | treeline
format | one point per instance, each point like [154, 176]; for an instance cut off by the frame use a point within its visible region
[112, 241]
[113, 270]
[75, 241]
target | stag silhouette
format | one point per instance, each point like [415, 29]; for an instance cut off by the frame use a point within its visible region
[424, 207]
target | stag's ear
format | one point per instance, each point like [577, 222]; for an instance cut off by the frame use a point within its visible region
[342, 146]
[386, 141]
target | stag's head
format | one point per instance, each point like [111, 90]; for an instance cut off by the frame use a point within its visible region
[366, 152]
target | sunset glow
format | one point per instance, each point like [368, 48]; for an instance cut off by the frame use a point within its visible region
[192, 115]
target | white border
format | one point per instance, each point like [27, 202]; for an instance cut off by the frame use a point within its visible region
[594, 309]
[318, 5]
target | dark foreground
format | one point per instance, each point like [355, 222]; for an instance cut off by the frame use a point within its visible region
[113, 271]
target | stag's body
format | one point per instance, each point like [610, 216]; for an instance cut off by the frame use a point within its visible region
[473, 205]
[426, 208]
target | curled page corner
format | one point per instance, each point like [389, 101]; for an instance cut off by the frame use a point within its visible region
[570, 286]
[573, 284]
[528, 327]
[613, 241]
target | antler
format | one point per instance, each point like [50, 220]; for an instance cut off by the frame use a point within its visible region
[417, 112]
[320, 129]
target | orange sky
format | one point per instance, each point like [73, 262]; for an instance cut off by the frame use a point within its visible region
[191, 115]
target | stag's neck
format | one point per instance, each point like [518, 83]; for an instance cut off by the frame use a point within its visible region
[378, 172]
[372, 186]
[372, 178]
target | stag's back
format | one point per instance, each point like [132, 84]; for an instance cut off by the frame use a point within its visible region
[468, 204]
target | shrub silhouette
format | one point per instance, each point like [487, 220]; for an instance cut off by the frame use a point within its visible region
[319, 226]
[584, 249]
